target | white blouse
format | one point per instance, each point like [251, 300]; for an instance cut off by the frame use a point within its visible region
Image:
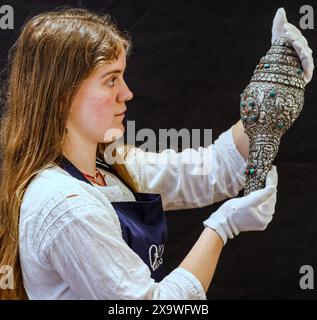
[71, 245]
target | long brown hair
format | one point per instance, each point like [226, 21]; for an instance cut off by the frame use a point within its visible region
[54, 53]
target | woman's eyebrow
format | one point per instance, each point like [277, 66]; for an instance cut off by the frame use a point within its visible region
[111, 72]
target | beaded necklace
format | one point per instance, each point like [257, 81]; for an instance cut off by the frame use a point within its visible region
[94, 179]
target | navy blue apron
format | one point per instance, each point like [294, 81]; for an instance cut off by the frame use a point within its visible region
[142, 222]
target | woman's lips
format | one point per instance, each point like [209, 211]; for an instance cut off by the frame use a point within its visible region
[121, 114]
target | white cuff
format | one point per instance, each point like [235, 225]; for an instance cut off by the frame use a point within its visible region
[190, 285]
[237, 162]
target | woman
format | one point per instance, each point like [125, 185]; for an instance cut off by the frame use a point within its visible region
[75, 227]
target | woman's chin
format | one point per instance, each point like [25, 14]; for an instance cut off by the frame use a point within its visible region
[113, 134]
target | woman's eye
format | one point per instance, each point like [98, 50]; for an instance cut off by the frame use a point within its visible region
[111, 81]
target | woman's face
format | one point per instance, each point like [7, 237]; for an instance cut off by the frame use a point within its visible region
[97, 110]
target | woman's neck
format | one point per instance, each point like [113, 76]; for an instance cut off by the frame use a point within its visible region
[82, 154]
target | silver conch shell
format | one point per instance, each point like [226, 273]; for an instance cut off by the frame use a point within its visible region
[269, 106]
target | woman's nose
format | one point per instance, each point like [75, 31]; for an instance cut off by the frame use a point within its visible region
[129, 95]
[125, 94]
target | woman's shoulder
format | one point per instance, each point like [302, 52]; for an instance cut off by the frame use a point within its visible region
[48, 183]
[53, 190]
[52, 201]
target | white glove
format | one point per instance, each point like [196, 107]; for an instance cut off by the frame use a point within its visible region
[282, 28]
[249, 213]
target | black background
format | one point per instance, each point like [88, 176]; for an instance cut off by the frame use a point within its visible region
[189, 63]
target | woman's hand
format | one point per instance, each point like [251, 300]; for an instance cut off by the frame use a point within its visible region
[250, 213]
[281, 28]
